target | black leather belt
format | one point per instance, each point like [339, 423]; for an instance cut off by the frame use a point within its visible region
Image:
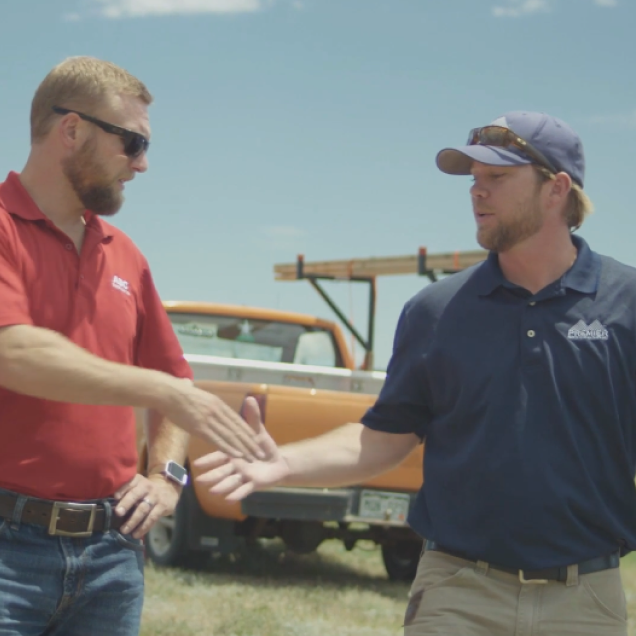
[62, 518]
[546, 574]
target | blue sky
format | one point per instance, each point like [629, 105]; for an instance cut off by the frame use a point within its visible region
[311, 126]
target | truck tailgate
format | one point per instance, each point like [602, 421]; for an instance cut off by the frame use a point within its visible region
[293, 414]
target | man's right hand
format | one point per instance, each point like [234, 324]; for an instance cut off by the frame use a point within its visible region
[205, 415]
[236, 478]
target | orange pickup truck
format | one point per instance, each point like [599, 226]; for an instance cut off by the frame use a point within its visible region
[301, 372]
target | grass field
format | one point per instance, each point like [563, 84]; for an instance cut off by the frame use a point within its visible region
[267, 591]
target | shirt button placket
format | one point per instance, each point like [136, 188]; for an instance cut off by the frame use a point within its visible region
[532, 348]
[531, 333]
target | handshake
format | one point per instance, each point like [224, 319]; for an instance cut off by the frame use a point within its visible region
[247, 458]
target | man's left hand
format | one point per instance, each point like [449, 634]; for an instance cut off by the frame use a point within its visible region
[148, 499]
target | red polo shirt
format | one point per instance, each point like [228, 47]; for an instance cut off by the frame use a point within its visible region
[103, 300]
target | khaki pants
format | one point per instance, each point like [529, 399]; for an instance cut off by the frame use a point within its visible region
[454, 597]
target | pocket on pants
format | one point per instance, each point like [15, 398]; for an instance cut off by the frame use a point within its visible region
[127, 541]
[605, 588]
[435, 572]
[436, 569]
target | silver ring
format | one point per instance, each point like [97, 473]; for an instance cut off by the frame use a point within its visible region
[147, 501]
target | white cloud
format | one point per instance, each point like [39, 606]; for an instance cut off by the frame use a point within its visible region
[116, 9]
[518, 8]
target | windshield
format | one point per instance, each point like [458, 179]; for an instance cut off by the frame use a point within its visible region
[249, 339]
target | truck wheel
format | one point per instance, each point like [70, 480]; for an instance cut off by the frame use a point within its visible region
[401, 559]
[167, 540]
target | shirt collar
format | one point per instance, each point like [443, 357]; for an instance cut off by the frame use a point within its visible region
[489, 276]
[17, 201]
[583, 276]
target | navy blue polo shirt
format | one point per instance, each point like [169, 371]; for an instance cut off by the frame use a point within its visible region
[527, 404]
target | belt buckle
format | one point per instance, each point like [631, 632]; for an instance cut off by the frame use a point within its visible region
[55, 515]
[525, 581]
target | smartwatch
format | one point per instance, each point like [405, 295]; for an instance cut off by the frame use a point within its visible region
[175, 472]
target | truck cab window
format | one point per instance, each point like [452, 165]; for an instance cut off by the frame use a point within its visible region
[253, 339]
[315, 348]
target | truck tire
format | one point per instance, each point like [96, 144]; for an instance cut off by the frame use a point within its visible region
[167, 540]
[401, 559]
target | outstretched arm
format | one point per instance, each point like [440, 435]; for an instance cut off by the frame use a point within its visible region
[347, 455]
[44, 364]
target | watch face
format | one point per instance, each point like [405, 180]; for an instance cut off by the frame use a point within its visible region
[176, 473]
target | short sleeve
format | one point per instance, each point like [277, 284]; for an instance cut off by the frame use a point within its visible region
[157, 344]
[14, 302]
[402, 406]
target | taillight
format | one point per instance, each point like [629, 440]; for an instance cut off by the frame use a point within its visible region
[261, 399]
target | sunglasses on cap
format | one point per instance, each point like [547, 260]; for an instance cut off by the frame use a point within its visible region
[134, 143]
[504, 138]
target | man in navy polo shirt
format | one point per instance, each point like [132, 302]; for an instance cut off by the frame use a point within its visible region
[519, 374]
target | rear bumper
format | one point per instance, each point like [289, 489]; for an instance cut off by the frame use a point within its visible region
[312, 504]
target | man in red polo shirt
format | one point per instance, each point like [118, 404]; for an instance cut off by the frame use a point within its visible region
[83, 340]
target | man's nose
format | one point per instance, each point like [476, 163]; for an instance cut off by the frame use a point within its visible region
[140, 163]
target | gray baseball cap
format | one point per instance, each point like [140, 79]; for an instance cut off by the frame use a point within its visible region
[551, 138]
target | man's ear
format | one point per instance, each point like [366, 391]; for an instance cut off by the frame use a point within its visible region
[560, 188]
[68, 130]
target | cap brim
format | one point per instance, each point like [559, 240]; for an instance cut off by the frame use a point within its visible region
[460, 160]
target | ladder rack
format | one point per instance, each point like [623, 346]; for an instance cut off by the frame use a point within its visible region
[366, 270]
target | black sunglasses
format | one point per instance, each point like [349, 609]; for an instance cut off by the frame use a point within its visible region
[134, 143]
[504, 137]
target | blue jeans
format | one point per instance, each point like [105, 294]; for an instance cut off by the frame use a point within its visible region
[68, 586]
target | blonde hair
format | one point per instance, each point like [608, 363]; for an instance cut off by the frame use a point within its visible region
[579, 205]
[81, 83]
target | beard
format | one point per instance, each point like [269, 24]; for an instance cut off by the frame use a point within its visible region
[524, 223]
[96, 191]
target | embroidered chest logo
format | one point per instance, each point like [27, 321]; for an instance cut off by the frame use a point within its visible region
[121, 284]
[581, 331]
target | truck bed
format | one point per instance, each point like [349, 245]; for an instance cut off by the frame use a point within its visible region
[284, 374]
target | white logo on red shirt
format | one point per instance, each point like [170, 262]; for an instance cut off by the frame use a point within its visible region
[121, 284]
